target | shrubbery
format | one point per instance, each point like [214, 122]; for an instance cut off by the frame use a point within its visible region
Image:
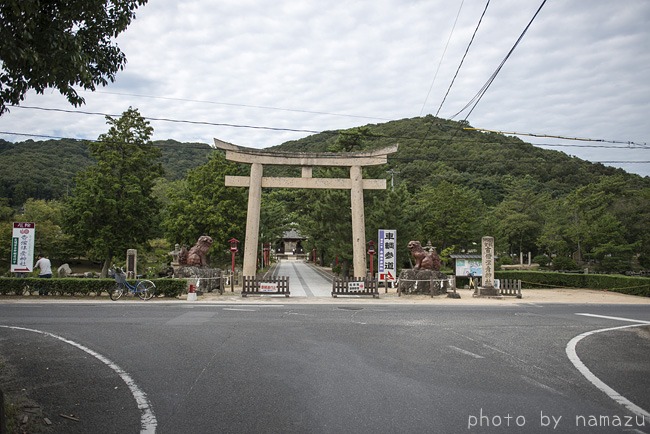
[73, 286]
[609, 282]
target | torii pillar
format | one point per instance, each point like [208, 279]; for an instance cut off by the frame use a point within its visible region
[356, 184]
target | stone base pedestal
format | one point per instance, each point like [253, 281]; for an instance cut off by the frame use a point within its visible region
[422, 282]
[488, 292]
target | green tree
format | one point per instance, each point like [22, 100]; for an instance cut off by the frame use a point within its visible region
[60, 44]
[202, 205]
[516, 222]
[50, 238]
[112, 207]
[447, 214]
[352, 140]
[388, 209]
[326, 220]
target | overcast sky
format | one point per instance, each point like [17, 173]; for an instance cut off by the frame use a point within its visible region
[251, 71]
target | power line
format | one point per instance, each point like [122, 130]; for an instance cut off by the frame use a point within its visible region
[383, 136]
[464, 55]
[217, 124]
[479, 95]
[550, 136]
[442, 57]
[242, 105]
[394, 158]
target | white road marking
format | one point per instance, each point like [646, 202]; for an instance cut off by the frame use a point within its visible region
[616, 318]
[148, 422]
[240, 309]
[467, 353]
[573, 356]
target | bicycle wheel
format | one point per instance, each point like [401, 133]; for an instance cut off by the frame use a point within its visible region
[145, 289]
[117, 292]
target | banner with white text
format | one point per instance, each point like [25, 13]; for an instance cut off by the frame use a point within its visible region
[387, 255]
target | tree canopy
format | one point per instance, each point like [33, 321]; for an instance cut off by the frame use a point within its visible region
[112, 207]
[60, 44]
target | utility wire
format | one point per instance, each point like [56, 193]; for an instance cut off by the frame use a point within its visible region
[442, 57]
[394, 137]
[217, 124]
[240, 105]
[549, 136]
[479, 95]
[394, 158]
[463, 59]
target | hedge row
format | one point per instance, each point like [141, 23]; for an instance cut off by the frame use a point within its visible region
[79, 287]
[539, 279]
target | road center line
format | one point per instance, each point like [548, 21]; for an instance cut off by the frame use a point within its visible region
[573, 357]
[148, 420]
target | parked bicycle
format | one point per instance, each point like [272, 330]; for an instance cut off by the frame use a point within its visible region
[145, 289]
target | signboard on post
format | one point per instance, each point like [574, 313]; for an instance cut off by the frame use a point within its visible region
[268, 286]
[387, 258]
[357, 286]
[22, 247]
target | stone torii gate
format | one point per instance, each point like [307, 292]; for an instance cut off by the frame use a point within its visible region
[257, 158]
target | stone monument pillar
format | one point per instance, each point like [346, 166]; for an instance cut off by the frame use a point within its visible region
[131, 263]
[487, 256]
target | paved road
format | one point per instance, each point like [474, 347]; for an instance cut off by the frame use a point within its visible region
[305, 280]
[328, 368]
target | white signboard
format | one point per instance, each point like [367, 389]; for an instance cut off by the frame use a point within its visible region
[22, 247]
[387, 257]
[356, 286]
[466, 266]
[268, 286]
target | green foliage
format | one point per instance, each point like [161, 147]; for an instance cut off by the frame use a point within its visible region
[447, 214]
[542, 260]
[564, 263]
[71, 286]
[112, 207]
[623, 284]
[48, 168]
[59, 45]
[179, 158]
[202, 204]
[449, 185]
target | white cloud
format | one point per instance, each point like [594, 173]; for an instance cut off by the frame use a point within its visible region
[581, 70]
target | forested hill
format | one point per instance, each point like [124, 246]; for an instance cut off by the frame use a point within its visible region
[45, 169]
[432, 150]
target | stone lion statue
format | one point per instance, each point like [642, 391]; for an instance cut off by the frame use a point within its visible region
[197, 255]
[423, 260]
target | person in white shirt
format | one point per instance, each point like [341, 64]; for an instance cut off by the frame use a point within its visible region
[44, 265]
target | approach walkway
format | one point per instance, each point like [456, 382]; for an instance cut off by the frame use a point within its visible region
[305, 279]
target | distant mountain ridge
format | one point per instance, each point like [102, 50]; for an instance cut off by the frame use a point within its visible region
[430, 150]
[45, 169]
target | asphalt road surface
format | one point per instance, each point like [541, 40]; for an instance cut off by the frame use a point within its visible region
[305, 280]
[179, 367]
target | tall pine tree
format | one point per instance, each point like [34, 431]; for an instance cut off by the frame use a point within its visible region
[112, 208]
